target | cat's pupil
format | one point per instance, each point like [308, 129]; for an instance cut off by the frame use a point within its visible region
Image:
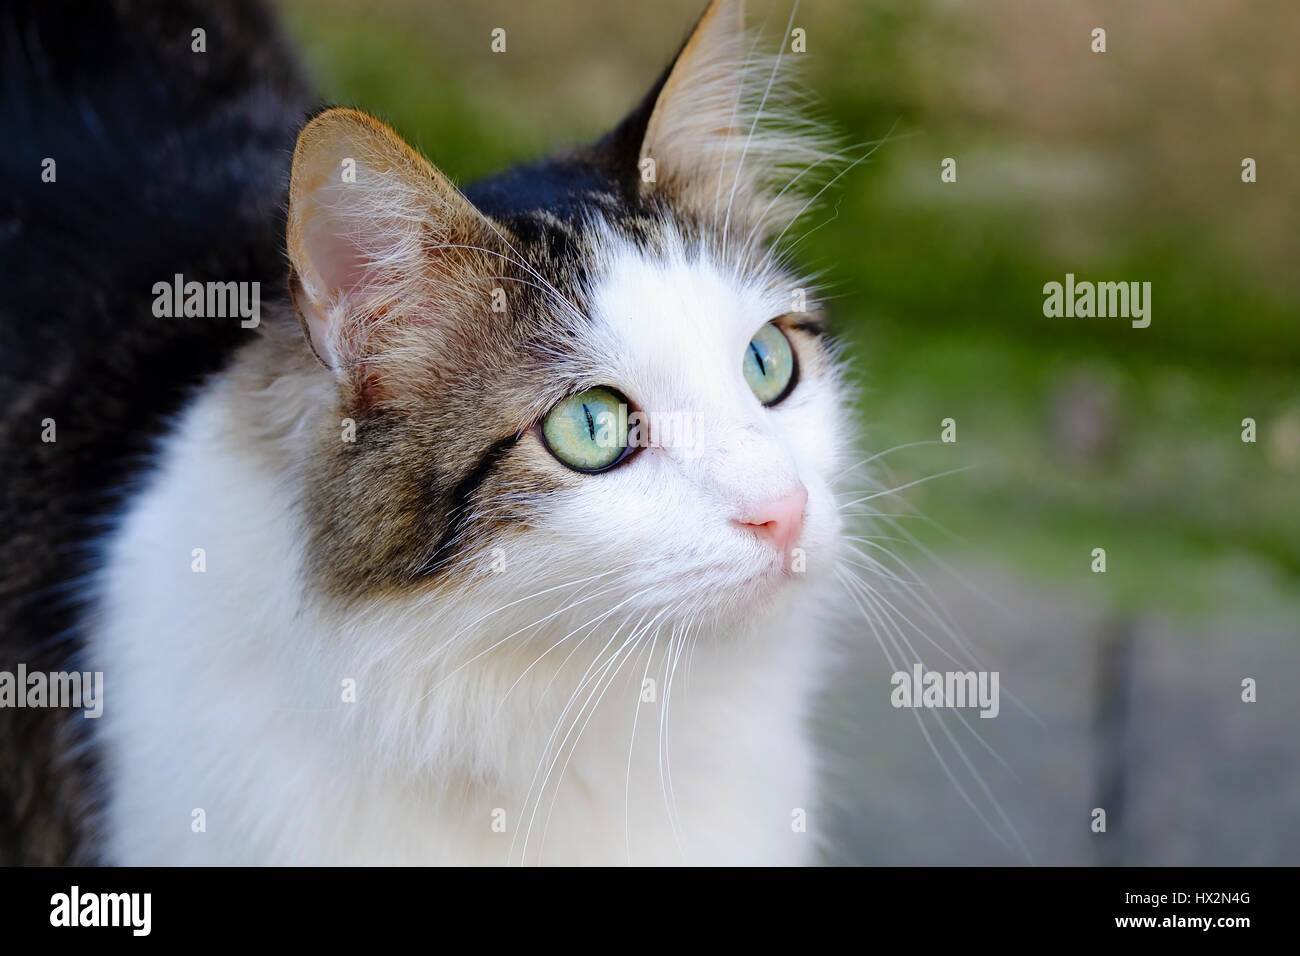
[758, 357]
[591, 425]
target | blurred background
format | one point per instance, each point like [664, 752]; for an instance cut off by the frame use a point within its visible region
[1077, 433]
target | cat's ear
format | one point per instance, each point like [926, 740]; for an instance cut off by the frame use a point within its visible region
[380, 243]
[722, 134]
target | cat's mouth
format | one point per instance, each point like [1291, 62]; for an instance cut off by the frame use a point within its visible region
[738, 594]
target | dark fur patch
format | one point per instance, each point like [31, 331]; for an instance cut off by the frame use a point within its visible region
[167, 162]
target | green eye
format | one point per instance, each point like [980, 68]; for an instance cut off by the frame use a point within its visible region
[769, 365]
[588, 431]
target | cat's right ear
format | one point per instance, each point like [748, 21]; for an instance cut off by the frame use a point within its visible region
[382, 246]
[724, 135]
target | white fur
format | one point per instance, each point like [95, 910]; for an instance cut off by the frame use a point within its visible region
[223, 689]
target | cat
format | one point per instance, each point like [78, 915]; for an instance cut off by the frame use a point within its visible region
[366, 577]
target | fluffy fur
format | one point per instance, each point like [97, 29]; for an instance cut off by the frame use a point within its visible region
[482, 696]
[549, 666]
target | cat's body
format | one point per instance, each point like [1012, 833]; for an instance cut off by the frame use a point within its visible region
[358, 610]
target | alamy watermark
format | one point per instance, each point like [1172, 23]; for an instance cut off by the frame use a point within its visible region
[131, 911]
[637, 429]
[1121, 300]
[922, 688]
[208, 300]
[65, 689]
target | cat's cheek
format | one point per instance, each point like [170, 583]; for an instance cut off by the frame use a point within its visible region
[813, 428]
[824, 530]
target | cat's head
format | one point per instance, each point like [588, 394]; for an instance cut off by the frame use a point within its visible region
[586, 383]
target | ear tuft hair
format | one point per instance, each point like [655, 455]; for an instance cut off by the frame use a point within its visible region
[731, 140]
[385, 251]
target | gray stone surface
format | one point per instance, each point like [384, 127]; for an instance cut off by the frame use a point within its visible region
[1131, 713]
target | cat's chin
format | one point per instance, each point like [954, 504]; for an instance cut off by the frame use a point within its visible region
[778, 582]
[763, 593]
[774, 586]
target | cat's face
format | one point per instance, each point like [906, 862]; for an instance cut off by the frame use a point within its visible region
[587, 385]
[672, 330]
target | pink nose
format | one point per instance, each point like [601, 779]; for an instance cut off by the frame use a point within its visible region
[780, 520]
